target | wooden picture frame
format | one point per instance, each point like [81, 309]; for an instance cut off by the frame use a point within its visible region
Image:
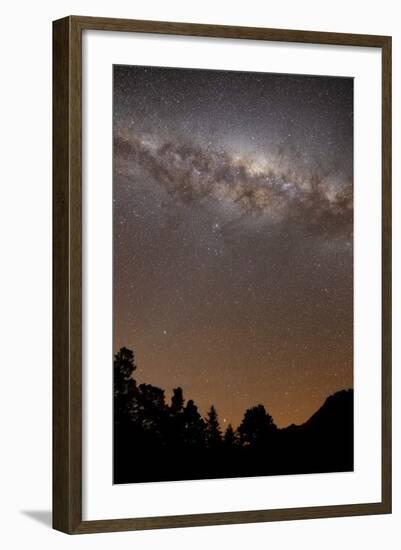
[67, 274]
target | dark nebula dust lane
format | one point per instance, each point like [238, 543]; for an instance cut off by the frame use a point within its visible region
[233, 217]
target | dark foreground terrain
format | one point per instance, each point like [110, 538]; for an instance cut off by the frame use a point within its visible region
[156, 441]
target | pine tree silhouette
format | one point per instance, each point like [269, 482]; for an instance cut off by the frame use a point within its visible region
[124, 386]
[213, 431]
[155, 440]
[194, 426]
[124, 367]
[177, 401]
[256, 426]
[230, 437]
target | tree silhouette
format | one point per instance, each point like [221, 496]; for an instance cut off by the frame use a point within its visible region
[124, 367]
[256, 426]
[212, 431]
[124, 385]
[156, 441]
[176, 423]
[230, 437]
[177, 401]
[194, 427]
[152, 410]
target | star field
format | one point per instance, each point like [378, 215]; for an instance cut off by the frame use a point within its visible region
[233, 221]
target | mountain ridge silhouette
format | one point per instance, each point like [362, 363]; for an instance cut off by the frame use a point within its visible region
[159, 441]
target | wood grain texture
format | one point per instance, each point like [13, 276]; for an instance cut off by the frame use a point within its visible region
[224, 31]
[67, 280]
[67, 275]
[229, 518]
[386, 276]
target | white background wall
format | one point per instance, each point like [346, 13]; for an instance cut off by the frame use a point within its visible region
[25, 274]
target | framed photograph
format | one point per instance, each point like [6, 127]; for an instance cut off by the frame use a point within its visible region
[222, 274]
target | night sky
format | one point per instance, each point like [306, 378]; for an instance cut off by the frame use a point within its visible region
[233, 242]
